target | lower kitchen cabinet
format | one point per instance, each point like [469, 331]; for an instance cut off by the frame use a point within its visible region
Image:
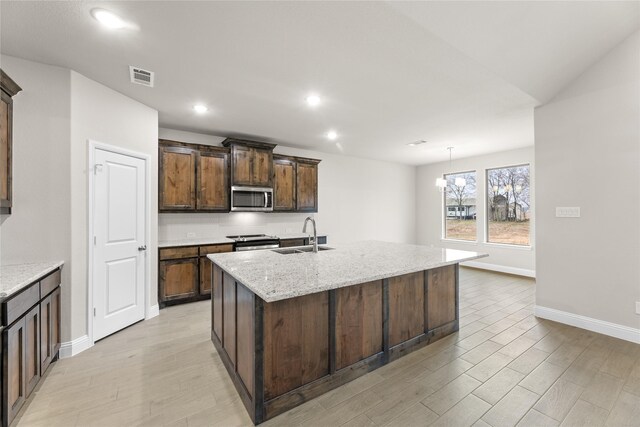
[30, 342]
[185, 273]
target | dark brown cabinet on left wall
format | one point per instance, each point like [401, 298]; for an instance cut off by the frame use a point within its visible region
[192, 177]
[185, 273]
[8, 89]
[30, 341]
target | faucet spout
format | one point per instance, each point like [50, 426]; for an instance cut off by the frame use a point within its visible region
[315, 234]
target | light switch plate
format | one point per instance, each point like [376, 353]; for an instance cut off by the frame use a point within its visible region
[638, 307]
[568, 212]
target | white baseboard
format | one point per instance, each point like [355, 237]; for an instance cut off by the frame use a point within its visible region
[154, 311]
[607, 328]
[71, 348]
[500, 268]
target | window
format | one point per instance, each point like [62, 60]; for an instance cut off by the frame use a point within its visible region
[460, 206]
[508, 205]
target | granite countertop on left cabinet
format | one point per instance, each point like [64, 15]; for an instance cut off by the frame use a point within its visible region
[15, 277]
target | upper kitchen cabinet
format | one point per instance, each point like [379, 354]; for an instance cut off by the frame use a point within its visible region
[251, 162]
[213, 179]
[284, 183]
[177, 177]
[193, 178]
[295, 184]
[306, 184]
[9, 89]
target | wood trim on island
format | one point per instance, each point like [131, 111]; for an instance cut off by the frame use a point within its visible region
[283, 353]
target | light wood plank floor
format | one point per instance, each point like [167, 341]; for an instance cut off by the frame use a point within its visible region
[505, 367]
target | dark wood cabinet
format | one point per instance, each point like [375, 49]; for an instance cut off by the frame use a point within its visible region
[213, 180]
[251, 162]
[307, 185]
[284, 183]
[185, 273]
[31, 341]
[192, 177]
[8, 89]
[14, 387]
[49, 328]
[177, 178]
[295, 182]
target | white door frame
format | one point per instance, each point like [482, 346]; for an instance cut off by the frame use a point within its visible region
[93, 146]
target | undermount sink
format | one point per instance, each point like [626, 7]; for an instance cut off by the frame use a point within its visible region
[300, 250]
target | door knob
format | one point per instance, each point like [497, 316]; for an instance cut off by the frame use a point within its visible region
[142, 248]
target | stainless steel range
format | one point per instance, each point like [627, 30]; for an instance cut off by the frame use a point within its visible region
[252, 242]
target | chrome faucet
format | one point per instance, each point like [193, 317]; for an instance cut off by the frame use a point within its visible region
[313, 239]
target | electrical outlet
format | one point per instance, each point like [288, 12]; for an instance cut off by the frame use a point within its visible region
[638, 307]
[573, 212]
[191, 235]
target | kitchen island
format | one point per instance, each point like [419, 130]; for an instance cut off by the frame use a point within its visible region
[292, 326]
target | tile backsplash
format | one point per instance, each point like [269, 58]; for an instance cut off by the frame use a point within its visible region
[177, 226]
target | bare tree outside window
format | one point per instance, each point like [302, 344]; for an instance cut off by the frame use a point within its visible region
[508, 205]
[460, 206]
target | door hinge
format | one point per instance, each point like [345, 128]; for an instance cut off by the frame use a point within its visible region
[97, 168]
[95, 239]
[94, 312]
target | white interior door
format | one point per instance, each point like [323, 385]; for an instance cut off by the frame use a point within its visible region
[119, 242]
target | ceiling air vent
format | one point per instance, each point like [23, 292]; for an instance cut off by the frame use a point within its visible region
[140, 76]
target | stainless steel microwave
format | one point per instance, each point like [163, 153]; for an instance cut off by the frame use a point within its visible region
[251, 199]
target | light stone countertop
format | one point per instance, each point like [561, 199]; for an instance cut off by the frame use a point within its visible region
[195, 242]
[221, 240]
[273, 276]
[15, 277]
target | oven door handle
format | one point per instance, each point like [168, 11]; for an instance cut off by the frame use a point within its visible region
[255, 248]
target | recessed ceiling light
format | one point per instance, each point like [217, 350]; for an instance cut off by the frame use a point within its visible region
[313, 100]
[415, 143]
[200, 109]
[332, 135]
[108, 19]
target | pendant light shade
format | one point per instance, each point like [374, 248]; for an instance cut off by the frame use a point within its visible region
[461, 182]
[441, 183]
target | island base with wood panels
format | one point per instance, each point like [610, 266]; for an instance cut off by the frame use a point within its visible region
[283, 353]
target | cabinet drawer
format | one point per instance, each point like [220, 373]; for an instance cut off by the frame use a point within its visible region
[216, 249]
[17, 306]
[49, 283]
[178, 253]
[287, 243]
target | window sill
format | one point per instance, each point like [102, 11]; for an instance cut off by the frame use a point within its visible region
[509, 246]
[466, 242]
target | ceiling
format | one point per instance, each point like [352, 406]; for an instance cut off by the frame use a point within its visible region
[462, 74]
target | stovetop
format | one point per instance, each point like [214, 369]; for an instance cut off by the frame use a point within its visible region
[252, 237]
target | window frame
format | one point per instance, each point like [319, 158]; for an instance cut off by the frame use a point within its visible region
[487, 206]
[443, 210]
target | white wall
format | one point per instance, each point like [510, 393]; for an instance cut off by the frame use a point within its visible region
[358, 199]
[588, 155]
[39, 227]
[429, 200]
[104, 115]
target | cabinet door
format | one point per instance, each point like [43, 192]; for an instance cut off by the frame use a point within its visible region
[177, 179]
[213, 184]
[205, 276]
[5, 152]
[262, 163]
[45, 333]
[242, 165]
[178, 279]
[307, 187]
[14, 372]
[284, 184]
[441, 296]
[55, 322]
[32, 349]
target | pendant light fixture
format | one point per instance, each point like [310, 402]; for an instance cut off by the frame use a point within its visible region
[441, 183]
